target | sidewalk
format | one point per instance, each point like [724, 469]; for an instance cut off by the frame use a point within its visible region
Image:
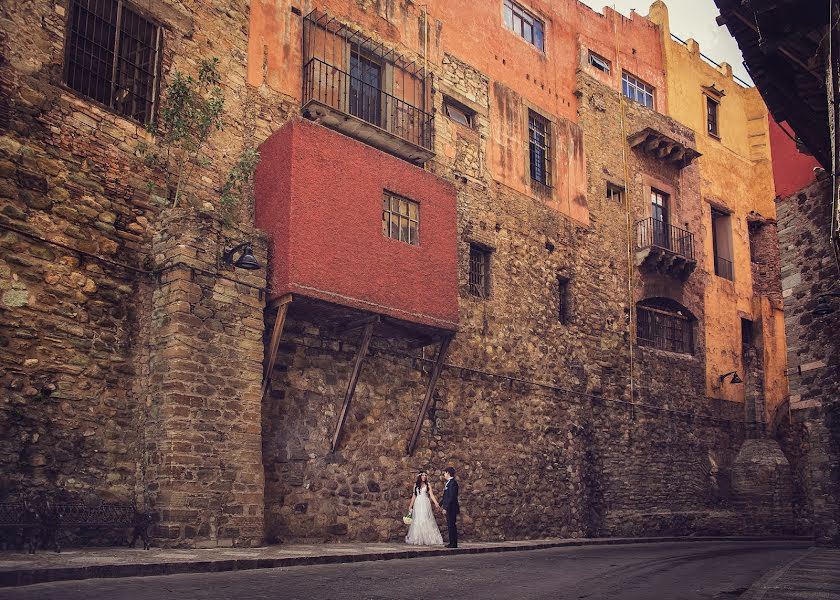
[19, 568]
[813, 576]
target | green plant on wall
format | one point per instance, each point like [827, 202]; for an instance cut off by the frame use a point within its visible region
[191, 111]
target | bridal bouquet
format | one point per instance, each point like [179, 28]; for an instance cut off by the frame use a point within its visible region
[407, 519]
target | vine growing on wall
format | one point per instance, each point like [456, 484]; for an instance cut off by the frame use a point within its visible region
[191, 111]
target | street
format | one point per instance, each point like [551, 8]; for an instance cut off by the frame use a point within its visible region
[675, 571]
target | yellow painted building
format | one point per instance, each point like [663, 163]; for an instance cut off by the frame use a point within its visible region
[744, 314]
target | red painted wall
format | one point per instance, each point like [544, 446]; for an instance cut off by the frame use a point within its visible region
[792, 170]
[319, 196]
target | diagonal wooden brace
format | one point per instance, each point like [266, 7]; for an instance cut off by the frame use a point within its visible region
[430, 391]
[354, 378]
[282, 309]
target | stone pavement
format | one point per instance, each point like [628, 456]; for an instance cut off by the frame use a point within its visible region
[19, 568]
[813, 576]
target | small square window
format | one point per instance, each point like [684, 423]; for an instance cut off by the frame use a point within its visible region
[458, 112]
[479, 275]
[400, 219]
[637, 90]
[615, 193]
[599, 62]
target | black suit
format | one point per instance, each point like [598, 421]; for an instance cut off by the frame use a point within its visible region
[449, 503]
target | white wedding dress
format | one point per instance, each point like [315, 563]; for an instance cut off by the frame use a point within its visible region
[423, 530]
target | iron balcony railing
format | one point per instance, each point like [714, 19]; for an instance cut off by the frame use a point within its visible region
[723, 268]
[333, 87]
[654, 232]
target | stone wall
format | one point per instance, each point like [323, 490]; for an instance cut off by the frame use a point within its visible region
[808, 270]
[91, 329]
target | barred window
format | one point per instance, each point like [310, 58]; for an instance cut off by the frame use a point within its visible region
[664, 325]
[564, 300]
[637, 90]
[111, 55]
[400, 218]
[479, 276]
[524, 24]
[539, 148]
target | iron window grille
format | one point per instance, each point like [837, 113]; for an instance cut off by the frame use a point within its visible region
[400, 218]
[524, 24]
[112, 56]
[599, 62]
[664, 330]
[539, 148]
[564, 300]
[479, 275]
[357, 75]
[637, 90]
[712, 107]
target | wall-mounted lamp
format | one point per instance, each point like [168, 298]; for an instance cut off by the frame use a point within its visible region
[824, 306]
[735, 378]
[245, 261]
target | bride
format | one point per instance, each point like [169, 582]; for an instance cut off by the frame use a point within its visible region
[423, 530]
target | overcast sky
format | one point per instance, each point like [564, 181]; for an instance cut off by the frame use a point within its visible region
[689, 19]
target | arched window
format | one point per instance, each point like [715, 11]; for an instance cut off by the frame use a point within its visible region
[664, 324]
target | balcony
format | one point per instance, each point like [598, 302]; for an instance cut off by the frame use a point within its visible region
[662, 147]
[664, 248]
[358, 86]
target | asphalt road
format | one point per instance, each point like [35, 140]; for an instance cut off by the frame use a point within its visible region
[672, 571]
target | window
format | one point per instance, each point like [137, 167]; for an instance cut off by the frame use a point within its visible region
[539, 148]
[479, 278]
[665, 325]
[600, 63]
[365, 86]
[722, 244]
[659, 212]
[615, 192]
[400, 218]
[458, 112]
[524, 24]
[111, 55]
[712, 116]
[746, 335]
[564, 300]
[637, 90]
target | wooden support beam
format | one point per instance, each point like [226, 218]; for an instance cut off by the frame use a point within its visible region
[354, 378]
[430, 391]
[351, 325]
[279, 321]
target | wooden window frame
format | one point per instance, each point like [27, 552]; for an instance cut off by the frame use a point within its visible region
[451, 106]
[662, 328]
[114, 64]
[392, 209]
[712, 122]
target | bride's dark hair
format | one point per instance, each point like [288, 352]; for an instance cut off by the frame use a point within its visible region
[419, 483]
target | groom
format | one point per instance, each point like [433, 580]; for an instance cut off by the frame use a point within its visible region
[449, 504]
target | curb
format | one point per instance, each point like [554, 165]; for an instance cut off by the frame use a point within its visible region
[23, 577]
